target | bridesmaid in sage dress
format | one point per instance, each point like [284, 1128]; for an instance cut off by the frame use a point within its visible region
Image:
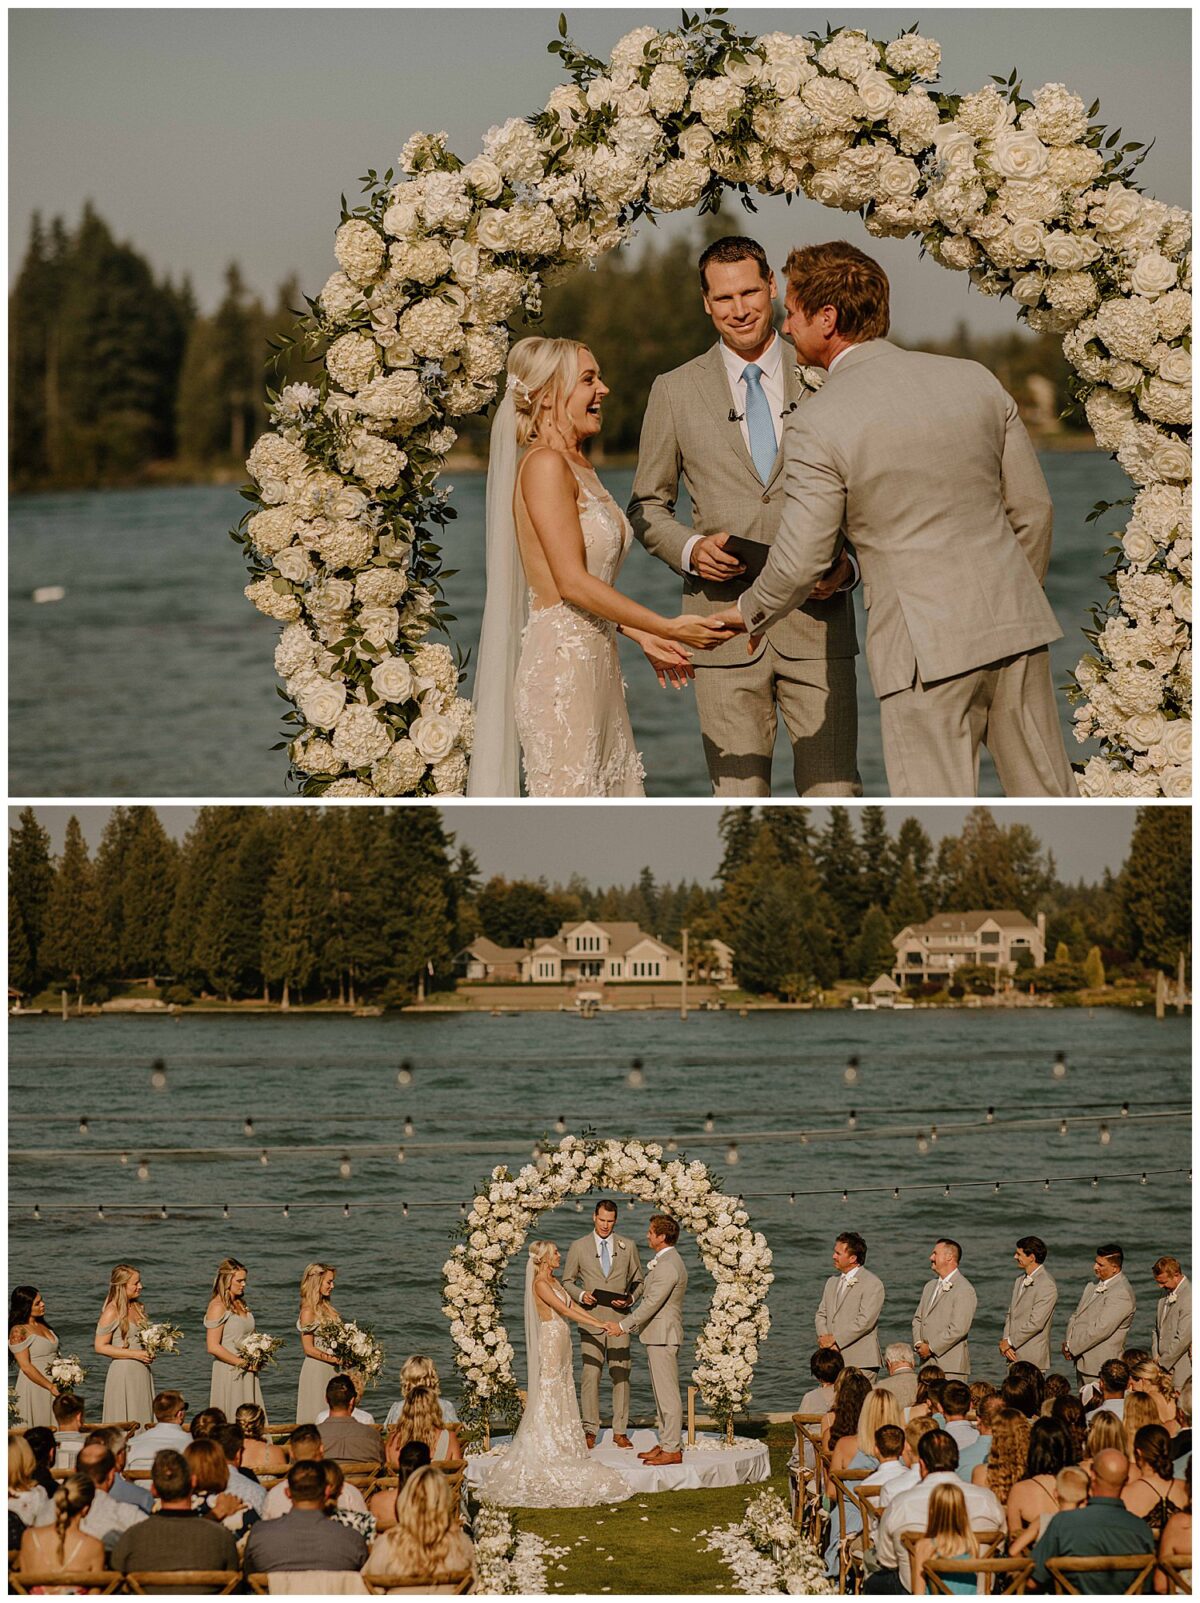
[318, 1368]
[33, 1344]
[128, 1389]
[227, 1321]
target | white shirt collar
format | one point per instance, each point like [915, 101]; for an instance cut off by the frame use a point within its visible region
[660, 1252]
[849, 1274]
[599, 1240]
[769, 361]
[946, 1281]
[1028, 1280]
[838, 358]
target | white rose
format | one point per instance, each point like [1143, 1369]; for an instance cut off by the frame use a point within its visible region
[634, 101]
[1123, 375]
[1177, 782]
[380, 626]
[876, 93]
[1154, 275]
[294, 564]
[491, 230]
[433, 735]
[695, 143]
[484, 177]
[1028, 239]
[1069, 252]
[898, 176]
[1117, 209]
[1171, 459]
[1177, 740]
[392, 680]
[403, 216]
[1139, 544]
[322, 702]
[1016, 154]
[1175, 366]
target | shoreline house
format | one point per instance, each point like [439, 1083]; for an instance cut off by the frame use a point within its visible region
[590, 951]
[929, 953]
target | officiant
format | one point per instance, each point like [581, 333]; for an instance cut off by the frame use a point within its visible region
[603, 1270]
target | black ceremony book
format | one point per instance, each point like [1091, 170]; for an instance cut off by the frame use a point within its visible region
[606, 1299]
[752, 554]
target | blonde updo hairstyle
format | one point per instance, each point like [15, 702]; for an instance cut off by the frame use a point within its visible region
[419, 1371]
[540, 1252]
[541, 369]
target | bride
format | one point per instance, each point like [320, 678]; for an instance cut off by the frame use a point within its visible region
[548, 1464]
[548, 671]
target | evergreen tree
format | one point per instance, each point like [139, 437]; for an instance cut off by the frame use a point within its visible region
[840, 866]
[1093, 969]
[71, 938]
[515, 911]
[227, 943]
[419, 913]
[1154, 888]
[192, 933]
[737, 827]
[874, 953]
[30, 879]
[111, 869]
[221, 378]
[20, 959]
[907, 905]
[781, 940]
[791, 831]
[879, 866]
[148, 895]
[294, 909]
[912, 842]
[1062, 953]
[648, 891]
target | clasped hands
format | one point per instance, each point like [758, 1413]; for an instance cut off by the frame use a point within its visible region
[712, 561]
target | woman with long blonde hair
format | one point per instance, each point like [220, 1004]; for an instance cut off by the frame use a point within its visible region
[26, 1498]
[948, 1534]
[63, 1547]
[227, 1321]
[1152, 1379]
[421, 1420]
[427, 1539]
[548, 674]
[319, 1367]
[1140, 1409]
[1104, 1430]
[418, 1370]
[128, 1388]
[858, 1451]
[1008, 1455]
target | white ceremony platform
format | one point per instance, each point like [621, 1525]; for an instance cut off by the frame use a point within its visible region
[710, 1463]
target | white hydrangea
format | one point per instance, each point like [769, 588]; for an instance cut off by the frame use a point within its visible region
[281, 604]
[312, 755]
[484, 353]
[1127, 327]
[378, 463]
[849, 54]
[668, 89]
[1072, 294]
[380, 587]
[396, 397]
[913, 121]
[1166, 403]
[1058, 117]
[419, 261]
[1073, 167]
[272, 530]
[295, 650]
[360, 737]
[399, 771]
[630, 50]
[1173, 314]
[718, 102]
[445, 203]
[351, 360]
[515, 149]
[346, 543]
[912, 56]
[984, 113]
[340, 299]
[568, 103]
[273, 457]
[615, 176]
[677, 185]
[836, 104]
[360, 251]
[1110, 416]
[450, 774]
[435, 663]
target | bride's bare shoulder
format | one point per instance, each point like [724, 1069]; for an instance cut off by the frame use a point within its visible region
[545, 471]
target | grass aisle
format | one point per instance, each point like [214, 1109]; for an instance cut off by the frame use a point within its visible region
[649, 1544]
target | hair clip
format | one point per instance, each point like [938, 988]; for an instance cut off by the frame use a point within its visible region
[519, 388]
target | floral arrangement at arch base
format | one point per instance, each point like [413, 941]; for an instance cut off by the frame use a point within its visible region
[502, 1215]
[1025, 193]
[766, 1553]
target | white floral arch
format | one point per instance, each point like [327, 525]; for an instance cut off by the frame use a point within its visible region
[501, 1218]
[1027, 195]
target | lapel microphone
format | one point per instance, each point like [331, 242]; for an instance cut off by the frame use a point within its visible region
[788, 410]
[735, 416]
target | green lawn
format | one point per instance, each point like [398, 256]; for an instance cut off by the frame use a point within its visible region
[649, 1545]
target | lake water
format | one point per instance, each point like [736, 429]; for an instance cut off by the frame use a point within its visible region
[485, 1088]
[154, 677]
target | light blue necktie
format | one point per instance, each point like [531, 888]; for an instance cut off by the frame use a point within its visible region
[605, 1257]
[759, 423]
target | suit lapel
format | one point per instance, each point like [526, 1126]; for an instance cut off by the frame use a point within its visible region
[792, 390]
[714, 386]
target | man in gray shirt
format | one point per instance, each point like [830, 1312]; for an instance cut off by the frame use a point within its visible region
[305, 1539]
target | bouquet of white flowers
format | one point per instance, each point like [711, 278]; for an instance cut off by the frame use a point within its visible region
[68, 1374]
[160, 1338]
[354, 1348]
[258, 1349]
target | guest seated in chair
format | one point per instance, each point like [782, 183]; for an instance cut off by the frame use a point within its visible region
[948, 1534]
[1105, 1527]
[411, 1457]
[306, 1447]
[306, 1538]
[178, 1536]
[345, 1437]
[427, 1540]
[62, 1547]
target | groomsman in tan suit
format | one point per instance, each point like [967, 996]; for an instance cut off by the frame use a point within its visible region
[659, 1322]
[923, 465]
[1096, 1331]
[1031, 1307]
[715, 425]
[943, 1318]
[603, 1269]
[1172, 1342]
[851, 1303]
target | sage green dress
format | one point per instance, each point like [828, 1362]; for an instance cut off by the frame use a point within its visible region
[128, 1388]
[34, 1402]
[314, 1377]
[232, 1387]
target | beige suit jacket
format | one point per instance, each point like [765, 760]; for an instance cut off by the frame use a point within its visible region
[925, 465]
[1030, 1316]
[658, 1319]
[1096, 1331]
[853, 1322]
[943, 1320]
[1172, 1341]
[582, 1273]
[687, 437]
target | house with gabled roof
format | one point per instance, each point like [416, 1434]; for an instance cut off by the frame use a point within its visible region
[930, 952]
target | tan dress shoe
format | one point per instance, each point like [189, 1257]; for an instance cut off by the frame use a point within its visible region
[622, 1441]
[590, 1439]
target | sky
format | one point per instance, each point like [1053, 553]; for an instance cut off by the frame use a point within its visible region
[610, 844]
[204, 136]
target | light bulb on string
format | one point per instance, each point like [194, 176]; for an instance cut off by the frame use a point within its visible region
[990, 1116]
[37, 1212]
[462, 1208]
[922, 1142]
[158, 1075]
[100, 1213]
[895, 1193]
[791, 1199]
[933, 1132]
[286, 1211]
[123, 1159]
[399, 1154]
[1062, 1128]
[163, 1211]
[345, 1210]
[946, 1192]
[1059, 1071]
[344, 1168]
[83, 1127]
[1143, 1181]
[731, 1153]
[404, 1210]
[635, 1079]
[143, 1170]
[1124, 1110]
[248, 1127]
[845, 1196]
[804, 1138]
[672, 1144]
[225, 1211]
[560, 1125]
[1105, 1135]
[409, 1127]
[404, 1074]
[850, 1072]
[852, 1120]
[708, 1123]
[996, 1189]
[1095, 1182]
[1045, 1185]
[264, 1157]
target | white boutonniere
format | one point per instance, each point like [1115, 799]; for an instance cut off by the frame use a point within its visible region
[811, 378]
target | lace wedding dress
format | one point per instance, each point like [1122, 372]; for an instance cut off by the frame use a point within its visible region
[569, 697]
[548, 1464]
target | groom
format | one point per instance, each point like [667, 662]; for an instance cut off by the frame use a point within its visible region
[607, 1271]
[659, 1322]
[715, 424]
[923, 463]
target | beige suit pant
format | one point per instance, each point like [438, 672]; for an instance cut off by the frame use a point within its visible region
[817, 699]
[932, 734]
[596, 1351]
[664, 1377]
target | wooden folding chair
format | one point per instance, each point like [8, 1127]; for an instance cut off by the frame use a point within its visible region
[850, 1552]
[102, 1582]
[1177, 1567]
[808, 1436]
[149, 1583]
[990, 1541]
[460, 1581]
[1016, 1572]
[1138, 1566]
